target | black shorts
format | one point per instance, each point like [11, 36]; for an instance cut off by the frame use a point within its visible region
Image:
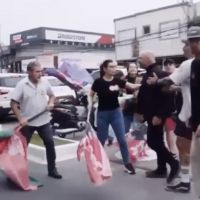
[182, 130]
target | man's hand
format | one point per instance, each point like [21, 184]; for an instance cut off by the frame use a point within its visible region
[197, 133]
[175, 88]
[23, 122]
[152, 80]
[156, 121]
[50, 106]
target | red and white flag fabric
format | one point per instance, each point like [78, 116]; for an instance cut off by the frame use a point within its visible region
[138, 149]
[13, 160]
[97, 161]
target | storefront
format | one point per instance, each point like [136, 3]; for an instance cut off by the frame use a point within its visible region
[50, 46]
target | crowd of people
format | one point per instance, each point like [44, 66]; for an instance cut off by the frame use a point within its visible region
[166, 98]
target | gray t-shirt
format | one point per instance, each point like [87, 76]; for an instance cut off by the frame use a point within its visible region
[33, 100]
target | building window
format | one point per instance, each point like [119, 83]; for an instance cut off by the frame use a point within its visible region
[170, 29]
[146, 30]
[126, 34]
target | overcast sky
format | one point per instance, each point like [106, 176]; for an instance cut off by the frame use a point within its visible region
[85, 15]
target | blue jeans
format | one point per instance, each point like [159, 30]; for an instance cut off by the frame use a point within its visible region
[115, 119]
[128, 120]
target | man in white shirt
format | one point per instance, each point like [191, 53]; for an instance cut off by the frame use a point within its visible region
[34, 95]
[181, 77]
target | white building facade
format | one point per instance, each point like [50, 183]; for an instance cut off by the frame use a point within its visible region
[160, 31]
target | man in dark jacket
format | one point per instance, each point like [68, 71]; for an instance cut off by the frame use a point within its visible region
[155, 106]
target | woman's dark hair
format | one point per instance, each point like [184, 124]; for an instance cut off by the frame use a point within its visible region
[129, 65]
[104, 65]
[169, 62]
[128, 75]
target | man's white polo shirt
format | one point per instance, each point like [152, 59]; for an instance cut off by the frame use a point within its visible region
[181, 76]
[33, 99]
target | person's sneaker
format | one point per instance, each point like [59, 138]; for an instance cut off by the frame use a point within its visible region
[110, 142]
[156, 174]
[180, 187]
[54, 174]
[175, 168]
[129, 168]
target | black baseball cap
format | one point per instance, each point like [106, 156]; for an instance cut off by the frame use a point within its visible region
[193, 32]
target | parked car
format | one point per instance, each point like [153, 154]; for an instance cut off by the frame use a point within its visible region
[9, 80]
[70, 114]
[61, 91]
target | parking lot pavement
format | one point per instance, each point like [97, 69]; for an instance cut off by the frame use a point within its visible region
[75, 185]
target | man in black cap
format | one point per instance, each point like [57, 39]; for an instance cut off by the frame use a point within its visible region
[189, 69]
[181, 77]
[194, 40]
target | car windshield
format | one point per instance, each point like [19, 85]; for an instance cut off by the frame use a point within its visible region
[55, 82]
[95, 74]
[10, 81]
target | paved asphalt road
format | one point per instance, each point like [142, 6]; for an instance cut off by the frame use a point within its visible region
[75, 184]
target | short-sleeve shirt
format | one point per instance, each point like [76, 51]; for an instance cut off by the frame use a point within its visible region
[33, 99]
[108, 92]
[181, 76]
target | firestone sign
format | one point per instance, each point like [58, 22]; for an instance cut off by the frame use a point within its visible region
[71, 36]
[47, 35]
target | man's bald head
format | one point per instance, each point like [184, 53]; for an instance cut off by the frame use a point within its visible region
[146, 59]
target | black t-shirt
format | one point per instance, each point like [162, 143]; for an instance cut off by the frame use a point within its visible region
[130, 80]
[108, 92]
[195, 93]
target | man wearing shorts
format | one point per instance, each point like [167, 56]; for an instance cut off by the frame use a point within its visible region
[170, 67]
[181, 77]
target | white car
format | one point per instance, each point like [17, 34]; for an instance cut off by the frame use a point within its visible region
[8, 81]
[60, 89]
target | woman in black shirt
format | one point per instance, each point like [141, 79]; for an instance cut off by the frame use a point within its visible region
[109, 113]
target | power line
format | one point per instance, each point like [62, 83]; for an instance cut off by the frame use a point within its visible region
[146, 39]
[181, 29]
[157, 32]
